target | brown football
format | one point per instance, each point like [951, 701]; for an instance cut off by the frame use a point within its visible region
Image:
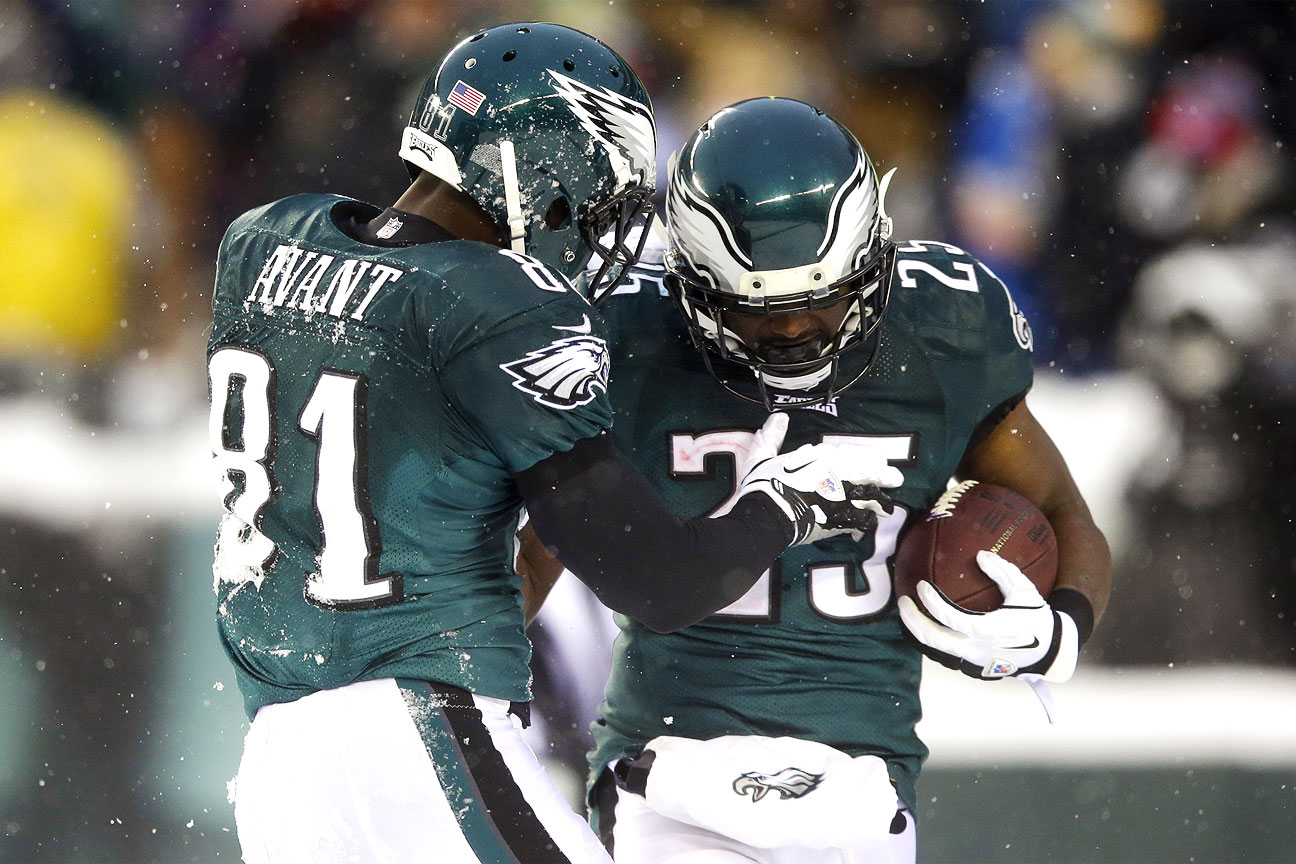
[970, 517]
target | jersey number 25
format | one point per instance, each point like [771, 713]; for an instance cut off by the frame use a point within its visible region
[830, 587]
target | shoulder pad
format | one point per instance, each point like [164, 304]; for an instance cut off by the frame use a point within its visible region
[500, 271]
[948, 289]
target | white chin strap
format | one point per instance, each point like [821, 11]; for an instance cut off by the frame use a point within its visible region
[512, 197]
[429, 154]
[808, 381]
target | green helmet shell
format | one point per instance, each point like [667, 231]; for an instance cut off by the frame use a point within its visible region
[773, 207]
[549, 130]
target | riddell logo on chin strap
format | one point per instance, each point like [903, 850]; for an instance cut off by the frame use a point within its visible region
[788, 783]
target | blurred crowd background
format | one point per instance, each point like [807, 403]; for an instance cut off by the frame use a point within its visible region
[1125, 167]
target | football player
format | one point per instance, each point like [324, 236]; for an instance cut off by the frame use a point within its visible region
[781, 728]
[388, 388]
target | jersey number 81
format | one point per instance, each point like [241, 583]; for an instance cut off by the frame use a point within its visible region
[334, 418]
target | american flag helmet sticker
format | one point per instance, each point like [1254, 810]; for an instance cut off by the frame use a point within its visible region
[467, 98]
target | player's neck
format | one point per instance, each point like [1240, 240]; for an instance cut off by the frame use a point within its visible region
[450, 208]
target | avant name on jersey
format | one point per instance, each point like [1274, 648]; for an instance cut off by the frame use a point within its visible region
[291, 276]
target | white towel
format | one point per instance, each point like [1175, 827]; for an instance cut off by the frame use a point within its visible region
[771, 792]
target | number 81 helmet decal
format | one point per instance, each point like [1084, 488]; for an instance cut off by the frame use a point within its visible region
[551, 132]
[774, 207]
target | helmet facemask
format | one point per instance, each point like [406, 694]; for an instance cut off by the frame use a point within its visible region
[807, 373]
[609, 230]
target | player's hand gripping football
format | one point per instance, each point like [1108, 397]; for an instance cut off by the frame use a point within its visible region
[823, 489]
[1025, 637]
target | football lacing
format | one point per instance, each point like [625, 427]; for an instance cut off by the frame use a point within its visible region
[946, 503]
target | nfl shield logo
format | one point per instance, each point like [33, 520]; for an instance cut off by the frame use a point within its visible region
[999, 669]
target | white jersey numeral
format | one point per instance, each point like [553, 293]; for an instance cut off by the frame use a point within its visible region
[243, 454]
[538, 273]
[832, 588]
[964, 278]
[829, 585]
[334, 418]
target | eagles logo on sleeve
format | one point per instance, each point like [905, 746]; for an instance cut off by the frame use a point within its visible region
[564, 374]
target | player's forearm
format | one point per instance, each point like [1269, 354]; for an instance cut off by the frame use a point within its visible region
[538, 569]
[1084, 559]
[1018, 453]
[616, 534]
[665, 572]
[534, 595]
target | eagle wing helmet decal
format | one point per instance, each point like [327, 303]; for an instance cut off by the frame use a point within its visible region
[789, 783]
[565, 373]
[623, 126]
[714, 252]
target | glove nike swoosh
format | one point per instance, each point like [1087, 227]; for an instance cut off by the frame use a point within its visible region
[791, 470]
[1035, 643]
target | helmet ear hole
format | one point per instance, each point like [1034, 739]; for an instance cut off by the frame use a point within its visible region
[558, 216]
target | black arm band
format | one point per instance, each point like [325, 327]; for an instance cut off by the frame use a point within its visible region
[1077, 605]
[607, 524]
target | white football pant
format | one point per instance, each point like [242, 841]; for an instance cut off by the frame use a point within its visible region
[382, 771]
[643, 836]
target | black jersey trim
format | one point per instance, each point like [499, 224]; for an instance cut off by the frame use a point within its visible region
[603, 801]
[358, 222]
[503, 806]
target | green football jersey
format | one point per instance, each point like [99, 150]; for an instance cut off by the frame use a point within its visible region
[815, 649]
[368, 407]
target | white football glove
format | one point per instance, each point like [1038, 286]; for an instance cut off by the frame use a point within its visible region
[1025, 637]
[823, 489]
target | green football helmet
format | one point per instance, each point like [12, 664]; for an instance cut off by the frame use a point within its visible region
[773, 207]
[551, 132]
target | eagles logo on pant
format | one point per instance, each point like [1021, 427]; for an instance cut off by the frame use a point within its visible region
[789, 783]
